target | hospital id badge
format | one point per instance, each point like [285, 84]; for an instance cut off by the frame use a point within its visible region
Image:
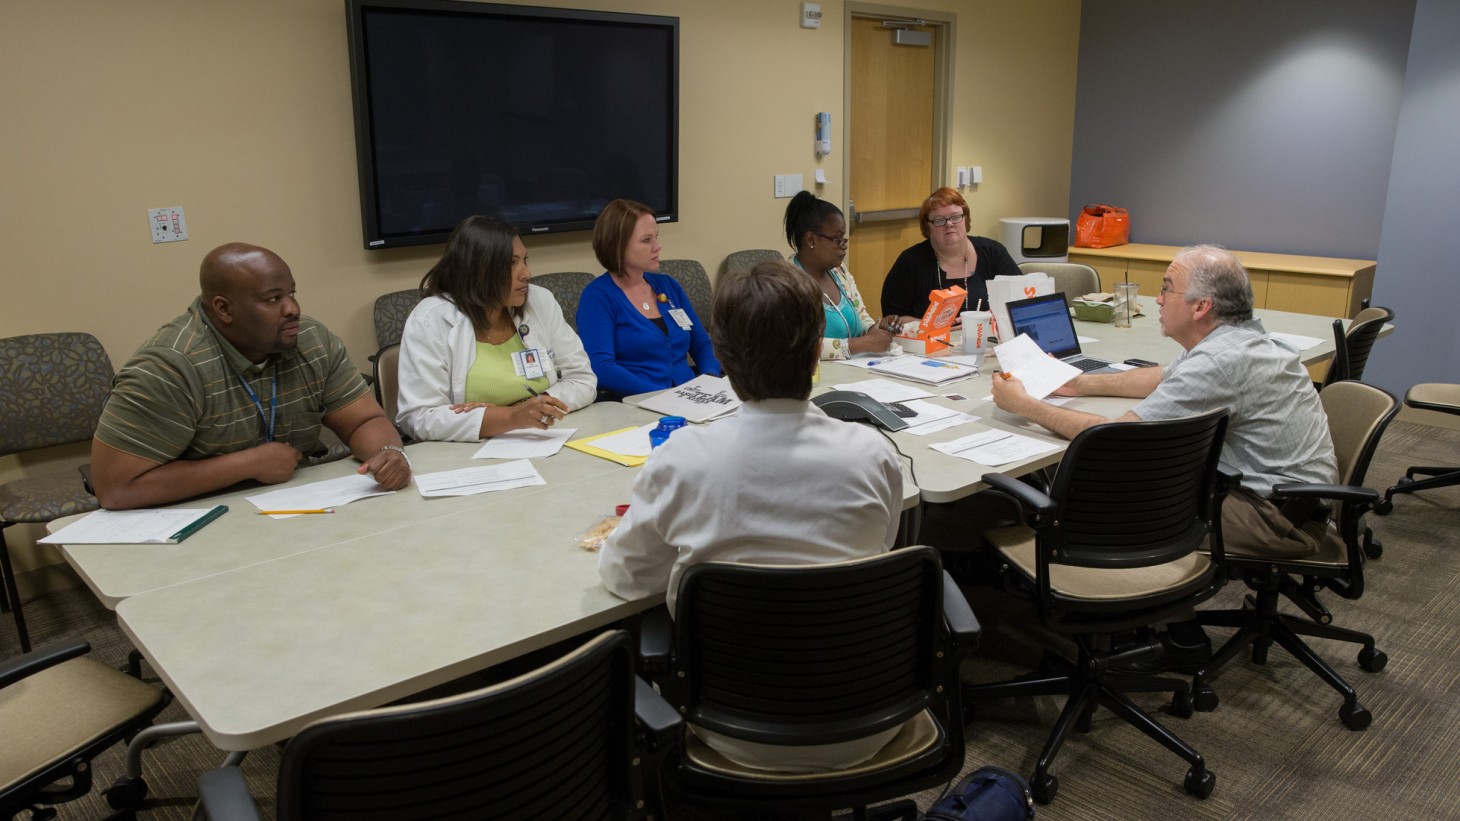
[528, 363]
[680, 318]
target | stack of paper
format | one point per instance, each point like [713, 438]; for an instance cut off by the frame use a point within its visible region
[885, 390]
[467, 481]
[1040, 373]
[528, 443]
[627, 446]
[932, 418]
[698, 400]
[995, 447]
[136, 526]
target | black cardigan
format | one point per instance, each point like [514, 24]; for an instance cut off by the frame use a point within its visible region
[915, 274]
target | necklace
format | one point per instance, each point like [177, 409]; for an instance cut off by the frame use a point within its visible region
[488, 333]
[942, 277]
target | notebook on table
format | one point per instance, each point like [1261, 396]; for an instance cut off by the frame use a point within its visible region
[1046, 319]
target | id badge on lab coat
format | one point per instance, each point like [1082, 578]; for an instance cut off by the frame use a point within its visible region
[680, 318]
[528, 363]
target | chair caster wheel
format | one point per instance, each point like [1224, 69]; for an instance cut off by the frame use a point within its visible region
[126, 793]
[1181, 705]
[1372, 661]
[1384, 508]
[1373, 548]
[1044, 788]
[1200, 783]
[1354, 716]
[1204, 699]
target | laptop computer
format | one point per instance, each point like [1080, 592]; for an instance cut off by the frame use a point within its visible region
[1047, 321]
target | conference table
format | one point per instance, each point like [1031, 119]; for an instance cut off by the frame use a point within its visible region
[259, 626]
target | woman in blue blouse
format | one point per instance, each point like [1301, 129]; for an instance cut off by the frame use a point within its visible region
[818, 232]
[637, 326]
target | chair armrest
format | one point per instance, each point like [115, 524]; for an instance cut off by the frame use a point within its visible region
[1039, 508]
[660, 723]
[963, 626]
[1337, 493]
[29, 664]
[1228, 478]
[223, 795]
[656, 632]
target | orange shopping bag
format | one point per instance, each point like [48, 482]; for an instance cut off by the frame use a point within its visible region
[1102, 226]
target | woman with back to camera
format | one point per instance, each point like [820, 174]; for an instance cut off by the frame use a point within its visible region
[818, 232]
[949, 256]
[485, 351]
[638, 325]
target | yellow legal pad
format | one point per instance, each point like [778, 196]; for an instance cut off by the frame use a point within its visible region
[586, 445]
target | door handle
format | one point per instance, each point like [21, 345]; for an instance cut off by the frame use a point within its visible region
[856, 217]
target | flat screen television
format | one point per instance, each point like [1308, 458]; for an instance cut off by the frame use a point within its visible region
[536, 116]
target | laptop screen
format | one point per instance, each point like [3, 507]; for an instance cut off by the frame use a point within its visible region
[1047, 321]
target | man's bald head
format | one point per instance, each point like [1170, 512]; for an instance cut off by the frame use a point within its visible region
[248, 293]
[228, 267]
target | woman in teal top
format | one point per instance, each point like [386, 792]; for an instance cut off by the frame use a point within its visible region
[818, 232]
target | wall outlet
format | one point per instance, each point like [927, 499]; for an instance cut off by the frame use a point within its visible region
[788, 185]
[167, 224]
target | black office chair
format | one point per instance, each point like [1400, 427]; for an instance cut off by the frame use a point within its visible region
[1357, 416]
[1351, 347]
[815, 654]
[60, 710]
[1116, 547]
[560, 742]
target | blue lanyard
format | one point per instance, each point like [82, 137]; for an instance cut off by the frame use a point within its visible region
[273, 404]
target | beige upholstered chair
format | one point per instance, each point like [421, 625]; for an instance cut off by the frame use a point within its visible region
[745, 260]
[1114, 547]
[52, 390]
[391, 311]
[1357, 417]
[1071, 277]
[60, 710]
[695, 282]
[567, 288]
[1433, 396]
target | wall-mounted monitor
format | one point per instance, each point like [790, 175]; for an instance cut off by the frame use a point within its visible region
[536, 116]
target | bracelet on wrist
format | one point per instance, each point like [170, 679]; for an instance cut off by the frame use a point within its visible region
[397, 449]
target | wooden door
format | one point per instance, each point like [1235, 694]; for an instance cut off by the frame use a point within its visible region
[891, 148]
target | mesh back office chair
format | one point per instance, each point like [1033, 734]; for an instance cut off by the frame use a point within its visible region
[52, 390]
[558, 742]
[1351, 347]
[1073, 278]
[817, 654]
[60, 710]
[567, 288]
[1357, 416]
[1115, 547]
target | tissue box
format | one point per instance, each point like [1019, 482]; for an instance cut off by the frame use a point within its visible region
[1093, 311]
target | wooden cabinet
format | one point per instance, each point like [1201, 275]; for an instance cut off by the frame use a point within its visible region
[1326, 286]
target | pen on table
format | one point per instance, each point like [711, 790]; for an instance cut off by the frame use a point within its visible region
[295, 512]
[202, 522]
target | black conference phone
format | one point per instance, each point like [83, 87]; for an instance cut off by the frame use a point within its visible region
[855, 406]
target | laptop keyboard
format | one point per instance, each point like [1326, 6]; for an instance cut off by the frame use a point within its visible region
[1088, 365]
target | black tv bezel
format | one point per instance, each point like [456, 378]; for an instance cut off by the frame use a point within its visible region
[355, 11]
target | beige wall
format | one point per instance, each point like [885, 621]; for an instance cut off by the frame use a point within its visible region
[240, 112]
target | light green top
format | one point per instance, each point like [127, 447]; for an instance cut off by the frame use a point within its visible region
[493, 380]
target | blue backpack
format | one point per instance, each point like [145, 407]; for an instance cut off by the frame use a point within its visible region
[986, 794]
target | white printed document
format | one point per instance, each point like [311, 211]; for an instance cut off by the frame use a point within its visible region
[1041, 373]
[995, 447]
[319, 495]
[469, 481]
[1297, 342]
[698, 400]
[885, 390]
[136, 526]
[633, 442]
[529, 443]
[932, 418]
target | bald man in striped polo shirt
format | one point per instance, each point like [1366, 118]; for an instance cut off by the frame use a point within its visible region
[236, 389]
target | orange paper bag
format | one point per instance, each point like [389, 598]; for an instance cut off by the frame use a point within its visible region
[1102, 226]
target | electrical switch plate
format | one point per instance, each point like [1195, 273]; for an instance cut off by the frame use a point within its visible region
[975, 175]
[788, 185]
[168, 224]
[962, 176]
